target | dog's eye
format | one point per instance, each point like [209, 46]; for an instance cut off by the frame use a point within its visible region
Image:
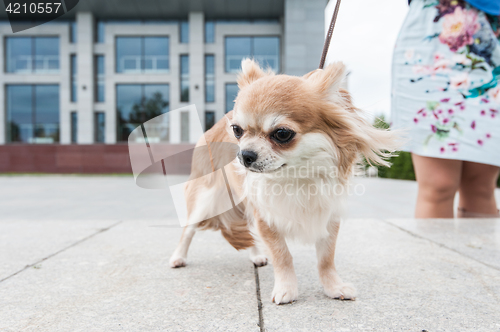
[283, 135]
[238, 132]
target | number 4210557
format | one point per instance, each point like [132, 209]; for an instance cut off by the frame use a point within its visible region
[33, 8]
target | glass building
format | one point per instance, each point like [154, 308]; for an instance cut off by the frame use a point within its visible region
[97, 75]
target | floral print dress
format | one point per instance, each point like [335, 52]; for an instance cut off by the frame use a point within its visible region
[446, 89]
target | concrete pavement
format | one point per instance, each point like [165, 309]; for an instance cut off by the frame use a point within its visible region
[91, 254]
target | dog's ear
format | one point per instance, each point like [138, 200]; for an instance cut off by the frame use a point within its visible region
[348, 126]
[250, 72]
[327, 81]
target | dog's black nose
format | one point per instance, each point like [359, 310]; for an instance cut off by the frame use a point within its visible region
[248, 157]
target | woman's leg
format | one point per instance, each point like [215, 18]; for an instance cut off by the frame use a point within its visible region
[477, 190]
[438, 181]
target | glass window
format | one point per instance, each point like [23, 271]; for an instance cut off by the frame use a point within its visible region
[46, 113]
[184, 77]
[265, 50]
[156, 54]
[19, 113]
[184, 126]
[74, 78]
[73, 32]
[209, 78]
[237, 48]
[209, 32]
[184, 32]
[100, 32]
[33, 113]
[231, 93]
[32, 55]
[209, 119]
[99, 127]
[99, 77]
[128, 54]
[46, 54]
[142, 54]
[74, 127]
[19, 52]
[138, 103]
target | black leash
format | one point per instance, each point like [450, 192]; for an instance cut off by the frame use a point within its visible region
[329, 35]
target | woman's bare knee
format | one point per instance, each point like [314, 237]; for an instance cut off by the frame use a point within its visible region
[438, 191]
[478, 180]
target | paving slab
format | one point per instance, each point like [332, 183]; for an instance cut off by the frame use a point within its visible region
[381, 198]
[24, 243]
[476, 238]
[85, 273]
[404, 283]
[119, 280]
[73, 197]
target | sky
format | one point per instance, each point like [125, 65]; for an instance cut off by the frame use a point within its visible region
[364, 38]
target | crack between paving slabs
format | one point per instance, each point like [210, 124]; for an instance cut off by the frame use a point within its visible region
[259, 300]
[62, 250]
[439, 244]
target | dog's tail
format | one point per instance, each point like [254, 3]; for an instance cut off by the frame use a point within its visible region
[238, 235]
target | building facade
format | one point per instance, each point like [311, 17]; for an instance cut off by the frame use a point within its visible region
[93, 77]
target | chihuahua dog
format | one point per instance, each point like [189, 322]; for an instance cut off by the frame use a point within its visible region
[299, 141]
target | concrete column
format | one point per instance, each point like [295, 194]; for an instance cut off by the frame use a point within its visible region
[85, 58]
[304, 35]
[65, 106]
[109, 106]
[197, 63]
[3, 104]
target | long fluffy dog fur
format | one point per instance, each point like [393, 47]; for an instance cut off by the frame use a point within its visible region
[328, 136]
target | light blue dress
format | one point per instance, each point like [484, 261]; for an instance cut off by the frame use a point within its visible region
[445, 77]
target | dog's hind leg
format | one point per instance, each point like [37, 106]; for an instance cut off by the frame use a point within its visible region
[256, 256]
[179, 256]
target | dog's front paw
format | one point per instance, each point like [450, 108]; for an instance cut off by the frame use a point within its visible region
[285, 293]
[176, 261]
[341, 291]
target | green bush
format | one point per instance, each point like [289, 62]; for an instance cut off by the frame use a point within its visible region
[402, 166]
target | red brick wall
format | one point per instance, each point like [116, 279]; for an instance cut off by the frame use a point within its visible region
[95, 158]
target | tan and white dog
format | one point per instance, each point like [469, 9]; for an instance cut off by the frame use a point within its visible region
[295, 134]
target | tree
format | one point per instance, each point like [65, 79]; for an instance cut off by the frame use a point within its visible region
[147, 109]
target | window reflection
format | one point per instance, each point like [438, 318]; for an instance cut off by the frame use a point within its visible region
[46, 113]
[73, 32]
[155, 54]
[138, 103]
[184, 78]
[265, 50]
[74, 127]
[184, 126]
[184, 32]
[209, 78]
[209, 119]
[231, 93]
[32, 55]
[99, 78]
[74, 78]
[209, 32]
[237, 48]
[142, 54]
[33, 113]
[99, 127]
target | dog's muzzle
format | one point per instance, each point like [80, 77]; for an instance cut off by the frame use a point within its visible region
[247, 157]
